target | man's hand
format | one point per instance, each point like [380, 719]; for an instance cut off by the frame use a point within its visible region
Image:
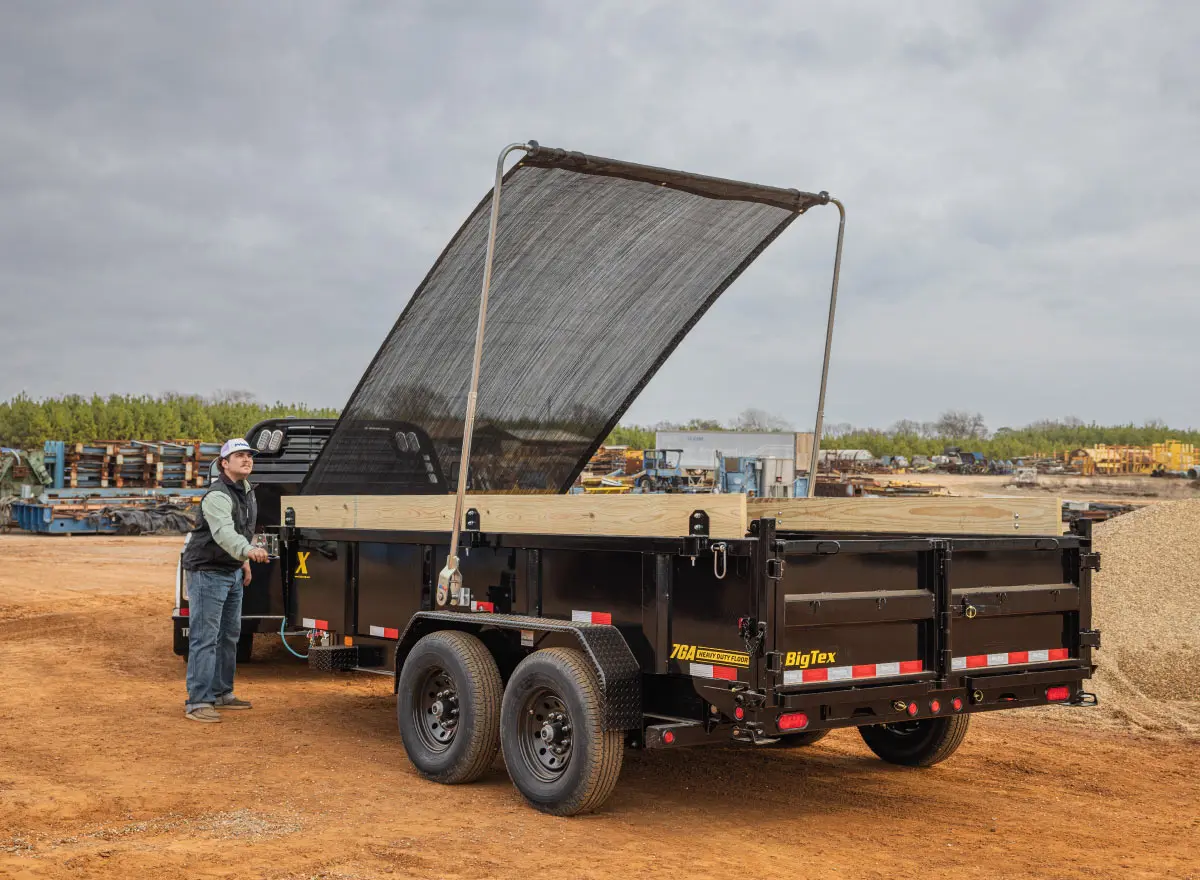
[257, 554]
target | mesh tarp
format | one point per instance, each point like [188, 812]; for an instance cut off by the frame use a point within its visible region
[601, 268]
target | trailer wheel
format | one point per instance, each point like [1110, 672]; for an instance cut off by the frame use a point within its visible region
[448, 707]
[796, 740]
[558, 753]
[917, 743]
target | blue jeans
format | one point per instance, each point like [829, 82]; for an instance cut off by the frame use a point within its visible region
[214, 626]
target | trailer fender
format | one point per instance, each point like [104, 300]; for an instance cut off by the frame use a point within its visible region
[609, 653]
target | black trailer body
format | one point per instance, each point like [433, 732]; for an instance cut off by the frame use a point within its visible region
[778, 636]
[285, 450]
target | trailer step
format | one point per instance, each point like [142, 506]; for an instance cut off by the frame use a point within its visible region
[343, 658]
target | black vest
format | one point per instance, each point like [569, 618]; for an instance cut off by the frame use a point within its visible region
[205, 554]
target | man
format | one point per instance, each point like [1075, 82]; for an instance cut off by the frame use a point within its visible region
[217, 561]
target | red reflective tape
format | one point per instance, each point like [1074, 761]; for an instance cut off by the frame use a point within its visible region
[183, 612]
[1059, 654]
[726, 672]
[602, 617]
[320, 624]
[1018, 656]
[483, 606]
[815, 675]
[389, 633]
[976, 660]
[907, 666]
[864, 671]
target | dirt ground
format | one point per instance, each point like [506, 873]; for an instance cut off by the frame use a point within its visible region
[1122, 490]
[101, 775]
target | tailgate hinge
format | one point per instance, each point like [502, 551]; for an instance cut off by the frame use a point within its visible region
[775, 568]
[1089, 638]
[1089, 561]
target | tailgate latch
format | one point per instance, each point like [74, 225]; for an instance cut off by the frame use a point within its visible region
[1089, 638]
[1089, 561]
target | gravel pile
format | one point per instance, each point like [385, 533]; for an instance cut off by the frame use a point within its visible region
[1146, 602]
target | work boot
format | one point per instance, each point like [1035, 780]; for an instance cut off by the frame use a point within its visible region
[229, 701]
[207, 714]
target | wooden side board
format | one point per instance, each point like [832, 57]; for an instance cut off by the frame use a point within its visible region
[624, 515]
[914, 516]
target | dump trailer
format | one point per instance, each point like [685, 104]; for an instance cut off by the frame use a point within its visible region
[433, 539]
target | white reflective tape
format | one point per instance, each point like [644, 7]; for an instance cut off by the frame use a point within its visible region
[581, 617]
[309, 623]
[841, 673]
[1039, 656]
[997, 659]
[882, 669]
[377, 631]
[793, 676]
[701, 670]
[958, 662]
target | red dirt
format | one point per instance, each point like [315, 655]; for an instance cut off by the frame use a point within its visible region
[101, 775]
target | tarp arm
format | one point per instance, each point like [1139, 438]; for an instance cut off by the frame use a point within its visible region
[450, 579]
[820, 426]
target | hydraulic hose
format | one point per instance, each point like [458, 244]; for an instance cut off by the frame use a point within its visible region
[283, 638]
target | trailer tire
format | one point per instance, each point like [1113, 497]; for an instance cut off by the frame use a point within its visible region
[917, 743]
[798, 740]
[554, 702]
[449, 676]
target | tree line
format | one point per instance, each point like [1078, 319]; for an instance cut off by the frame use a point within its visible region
[965, 429]
[25, 423]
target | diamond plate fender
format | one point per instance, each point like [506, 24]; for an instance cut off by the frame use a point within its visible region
[618, 671]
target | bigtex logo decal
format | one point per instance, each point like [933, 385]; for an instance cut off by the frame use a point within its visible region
[302, 563]
[709, 655]
[805, 659]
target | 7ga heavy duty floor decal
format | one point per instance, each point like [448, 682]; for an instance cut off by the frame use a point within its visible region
[709, 655]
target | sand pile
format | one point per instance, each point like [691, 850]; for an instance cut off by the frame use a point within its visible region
[1146, 602]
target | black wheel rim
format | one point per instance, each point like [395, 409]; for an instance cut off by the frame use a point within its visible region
[546, 734]
[435, 710]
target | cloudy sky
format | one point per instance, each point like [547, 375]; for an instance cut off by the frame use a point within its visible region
[197, 196]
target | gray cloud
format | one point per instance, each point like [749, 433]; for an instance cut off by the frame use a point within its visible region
[269, 182]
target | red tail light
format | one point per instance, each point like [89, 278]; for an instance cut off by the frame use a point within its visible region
[668, 737]
[793, 721]
[739, 713]
[935, 706]
[957, 704]
[912, 709]
[1058, 694]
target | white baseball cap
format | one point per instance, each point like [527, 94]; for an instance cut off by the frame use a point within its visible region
[237, 444]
